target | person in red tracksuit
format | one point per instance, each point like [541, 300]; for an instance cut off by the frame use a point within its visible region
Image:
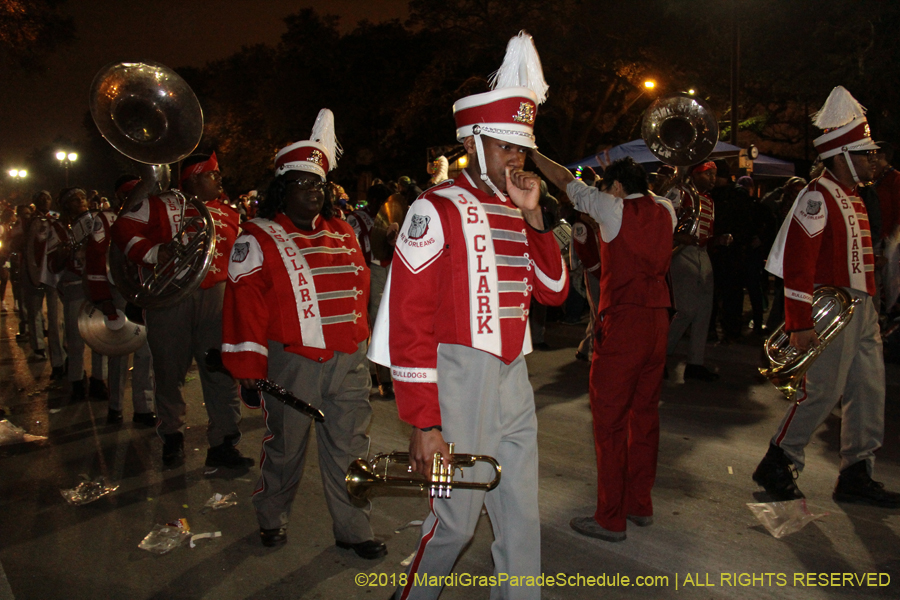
[636, 230]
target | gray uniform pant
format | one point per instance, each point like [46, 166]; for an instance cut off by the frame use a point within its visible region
[71, 292]
[692, 280]
[34, 296]
[850, 371]
[177, 335]
[340, 389]
[141, 376]
[377, 281]
[487, 407]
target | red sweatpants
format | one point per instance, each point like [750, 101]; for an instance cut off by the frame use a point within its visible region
[626, 379]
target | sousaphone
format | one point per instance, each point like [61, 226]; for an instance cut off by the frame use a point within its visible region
[681, 130]
[149, 113]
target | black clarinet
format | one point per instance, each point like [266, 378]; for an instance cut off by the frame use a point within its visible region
[214, 363]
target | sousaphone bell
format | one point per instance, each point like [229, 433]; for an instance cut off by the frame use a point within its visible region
[149, 113]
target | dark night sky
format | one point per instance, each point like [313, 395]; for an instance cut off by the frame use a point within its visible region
[36, 108]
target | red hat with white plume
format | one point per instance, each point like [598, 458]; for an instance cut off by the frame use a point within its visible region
[508, 111]
[318, 155]
[844, 121]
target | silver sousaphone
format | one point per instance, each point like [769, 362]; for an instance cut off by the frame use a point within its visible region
[149, 113]
[681, 130]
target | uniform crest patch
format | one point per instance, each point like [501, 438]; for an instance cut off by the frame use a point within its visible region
[579, 232]
[240, 252]
[98, 225]
[418, 227]
[813, 207]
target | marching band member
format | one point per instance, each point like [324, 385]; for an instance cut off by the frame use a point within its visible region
[36, 291]
[104, 295]
[302, 271]
[75, 216]
[826, 241]
[626, 370]
[183, 332]
[453, 326]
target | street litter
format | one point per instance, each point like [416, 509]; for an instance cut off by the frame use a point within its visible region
[204, 536]
[218, 501]
[87, 491]
[783, 518]
[164, 538]
[10, 434]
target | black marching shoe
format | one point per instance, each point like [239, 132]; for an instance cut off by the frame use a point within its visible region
[57, 373]
[700, 373]
[114, 417]
[97, 389]
[776, 474]
[226, 455]
[370, 549]
[854, 484]
[147, 419]
[173, 449]
[79, 391]
[273, 537]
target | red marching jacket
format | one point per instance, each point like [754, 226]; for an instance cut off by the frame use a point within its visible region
[305, 289]
[98, 285]
[825, 241]
[465, 268]
[155, 220]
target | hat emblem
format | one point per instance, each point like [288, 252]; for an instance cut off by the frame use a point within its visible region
[525, 114]
[316, 157]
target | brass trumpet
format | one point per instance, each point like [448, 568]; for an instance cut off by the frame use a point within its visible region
[832, 310]
[362, 475]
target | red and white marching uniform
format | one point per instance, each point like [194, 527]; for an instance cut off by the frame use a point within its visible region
[182, 333]
[826, 241]
[99, 289]
[362, 223]
[156, 220]
[295, 313]
[307, 290]
[467, 265]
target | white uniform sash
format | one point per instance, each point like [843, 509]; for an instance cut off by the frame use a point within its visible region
[484, 298]
[302, 284]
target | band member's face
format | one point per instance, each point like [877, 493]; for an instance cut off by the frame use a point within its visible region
[207, 185]
[76, 205]
[304, 197]
[500, 156]
[864, 165]
[42, 204]
[705, 180]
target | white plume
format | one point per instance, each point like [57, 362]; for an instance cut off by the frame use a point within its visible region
[521, 67]
[323, 133]
[839, 109]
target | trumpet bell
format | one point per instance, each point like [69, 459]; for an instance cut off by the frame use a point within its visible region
[109, 338]
[360, 479]
[146, 111]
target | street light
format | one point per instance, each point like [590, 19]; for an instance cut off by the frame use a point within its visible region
[649, 84]
[65, 160]
[18, 173]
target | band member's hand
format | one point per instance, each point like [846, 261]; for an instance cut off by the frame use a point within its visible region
[524, 189]
[803, 340]
[392, 232]
[250, 384]
[686, 239]
[422, 446]
[107, 308]
[163, 255]
[589, 176]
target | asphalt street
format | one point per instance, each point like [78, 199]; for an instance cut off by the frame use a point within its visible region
[705, 542]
